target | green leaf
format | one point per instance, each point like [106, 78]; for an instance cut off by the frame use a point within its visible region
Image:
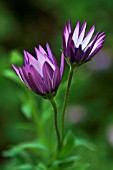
[11, 75]
[82, 142]
[27, 110]
[66, 161]
[16, 58]
[41, 166]
[24, 167]
[68, 144]
[83, 166]
[25, 146]
[47, 111]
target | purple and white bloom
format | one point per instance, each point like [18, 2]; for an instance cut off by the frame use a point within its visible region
[41, 74]
[79, 48]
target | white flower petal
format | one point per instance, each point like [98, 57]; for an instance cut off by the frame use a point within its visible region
[76, 33]
[88, 37]
[80, 39]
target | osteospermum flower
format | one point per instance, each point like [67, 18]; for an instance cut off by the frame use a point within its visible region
[78, 48]
[41, 74]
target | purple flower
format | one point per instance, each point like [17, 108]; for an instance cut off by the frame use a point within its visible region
[77, 47]
[41, 74]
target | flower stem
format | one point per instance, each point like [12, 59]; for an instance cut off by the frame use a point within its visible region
[55, 121]
[70, 76]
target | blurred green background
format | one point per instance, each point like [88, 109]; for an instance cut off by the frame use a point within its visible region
[26, 23]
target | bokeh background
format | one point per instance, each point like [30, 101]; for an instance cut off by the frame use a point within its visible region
[26, 23]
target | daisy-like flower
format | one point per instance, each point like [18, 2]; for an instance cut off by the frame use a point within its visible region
[41, 74]
[79, 48]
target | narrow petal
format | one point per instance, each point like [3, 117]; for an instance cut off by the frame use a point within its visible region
[69, 44]
[71, 51]
[50, 55]
[47, 76]
[25, 58]
[24, 74]
[38, 80]
[69, 26]
[49, 69]
[76, 33]
[23, 77]
[89, 48]
[62, 66]
[17, 71]
[88, 37]
[78, 54]
[33, 84]
[99, 42]
[35, 63]
[42, 50]
[93, 41]
[66, 33]
[86, 54]
[41, 58]
[56, 79]
[94, 52]
[81, 36]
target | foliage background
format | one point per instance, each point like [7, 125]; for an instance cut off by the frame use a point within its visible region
[24, 25]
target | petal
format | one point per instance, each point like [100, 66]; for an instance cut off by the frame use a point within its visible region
[26, 61]
[42, 50]
[62, 66]
[41, 58]
[35, 63]
[82, 32]
[49, 69]
[89, 48]
[34, 86]
[93, 41]
[56, 79]
[76, 33]
[78, 54]
[66, 33]
[88, 37]
[38, 80]
[47, 76]
[23, 77]
[99, 42]
[50, 55]
[69, 26]
[17, 71]
[71, 51]
[24, 73]
[86, 54]
[69, 45]
[94, 52]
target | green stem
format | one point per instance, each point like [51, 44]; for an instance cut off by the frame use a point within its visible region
[55, 121]
[70, 76]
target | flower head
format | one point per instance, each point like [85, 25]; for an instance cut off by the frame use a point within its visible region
[78, 48]
[41, 74]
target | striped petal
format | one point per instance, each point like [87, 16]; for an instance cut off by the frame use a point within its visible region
[38, 80]
[47, 76]
[88, 37]
[56, 79]
[17, 72]
[42, 50]
[35, 63]
[82, 32]
[76, 33]
[50, 55]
